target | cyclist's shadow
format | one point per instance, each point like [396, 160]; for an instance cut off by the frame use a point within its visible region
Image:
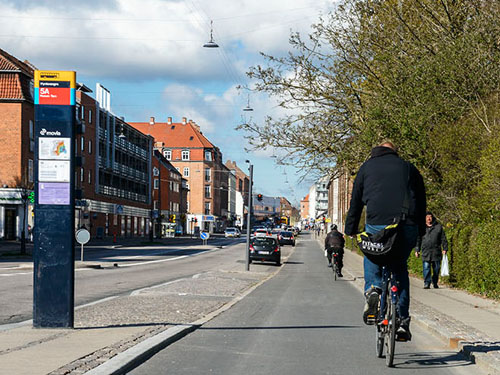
[430, 359]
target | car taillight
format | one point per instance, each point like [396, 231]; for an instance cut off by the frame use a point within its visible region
[276, 249]
[251, 249]
[292, 237]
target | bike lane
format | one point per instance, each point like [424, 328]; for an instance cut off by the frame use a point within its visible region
[299, 322]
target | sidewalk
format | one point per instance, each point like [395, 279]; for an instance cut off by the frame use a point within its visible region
[119, 332]
[463, 321]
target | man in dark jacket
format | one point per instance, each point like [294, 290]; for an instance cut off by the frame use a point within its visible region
[381, 185]
[430, 245]
[334, 243]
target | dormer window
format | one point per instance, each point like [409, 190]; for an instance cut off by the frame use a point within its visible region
[208, 155]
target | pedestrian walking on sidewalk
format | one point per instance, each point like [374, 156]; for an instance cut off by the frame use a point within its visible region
[432, 246]
[334, 243]
[381, 185]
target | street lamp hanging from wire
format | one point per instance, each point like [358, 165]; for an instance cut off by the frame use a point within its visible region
[248, 108]
[211, 43]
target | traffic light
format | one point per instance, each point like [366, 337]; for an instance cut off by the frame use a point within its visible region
[259, 197]
[31, 197]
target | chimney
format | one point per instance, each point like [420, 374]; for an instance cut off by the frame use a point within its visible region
[151, 121]
[184, 121]
[169, 120]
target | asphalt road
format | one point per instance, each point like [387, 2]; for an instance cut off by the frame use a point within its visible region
[299, 322]
[138, 267]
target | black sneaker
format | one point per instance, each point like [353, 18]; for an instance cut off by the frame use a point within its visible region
[339, 274]
[436, 286]
[371, 307]
[403, 333]
[426, 286]
[329, 265]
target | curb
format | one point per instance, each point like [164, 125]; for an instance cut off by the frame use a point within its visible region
[469, 348]
[141, 352]
[138, 354]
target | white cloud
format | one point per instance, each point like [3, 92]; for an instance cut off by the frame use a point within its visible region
[145, 39]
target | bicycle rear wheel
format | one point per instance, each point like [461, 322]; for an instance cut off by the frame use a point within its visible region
[391, 334]
[334, 267]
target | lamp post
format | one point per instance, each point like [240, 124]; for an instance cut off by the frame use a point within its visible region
[247, 256]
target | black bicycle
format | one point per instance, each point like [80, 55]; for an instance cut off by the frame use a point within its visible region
[388, 319]
[335, 264]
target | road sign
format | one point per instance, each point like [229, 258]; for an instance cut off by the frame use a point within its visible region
[204, 236]
[82, 236]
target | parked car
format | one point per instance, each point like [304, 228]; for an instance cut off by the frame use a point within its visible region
[265, 249]
[277, 233]
[232, 232]
[287, 238]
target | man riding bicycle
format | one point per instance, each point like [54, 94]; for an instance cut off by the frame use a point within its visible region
[334, 243]
[381, 185]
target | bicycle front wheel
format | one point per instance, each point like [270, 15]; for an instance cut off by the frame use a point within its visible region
[391, 334]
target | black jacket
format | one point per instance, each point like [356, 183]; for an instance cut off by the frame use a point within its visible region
[334, 239]
[380, 185]
[431, 242]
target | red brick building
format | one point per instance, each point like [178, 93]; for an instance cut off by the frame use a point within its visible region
[169, 197]
[16, 145]
[200, 163]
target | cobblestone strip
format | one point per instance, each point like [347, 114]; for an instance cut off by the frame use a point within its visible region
[88, 362]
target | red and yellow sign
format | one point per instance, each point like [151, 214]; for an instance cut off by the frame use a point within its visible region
[55, 87]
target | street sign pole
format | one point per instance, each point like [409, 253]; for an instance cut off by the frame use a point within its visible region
[247, 256]
[53, 255]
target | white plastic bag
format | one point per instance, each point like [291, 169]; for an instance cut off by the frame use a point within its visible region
[326, 253]
[444, 266]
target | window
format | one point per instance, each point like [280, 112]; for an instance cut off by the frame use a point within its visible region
[90, 176]
[207, 208]
[208, 155]
[207, 174]
[90, 147]
[30, 170]
[167, 154]
[185, 155]
[82, 175]
[82, 112]
[83, 143]
[155, 205]
[187, 206]
[90, 116]
[156, 172]
[207, 191]
[32, 136]
[156, 183]
[186, 172]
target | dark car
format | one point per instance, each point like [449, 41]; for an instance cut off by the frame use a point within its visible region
[265, 249]
[287, 238]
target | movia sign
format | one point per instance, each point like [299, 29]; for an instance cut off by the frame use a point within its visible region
[53, 255]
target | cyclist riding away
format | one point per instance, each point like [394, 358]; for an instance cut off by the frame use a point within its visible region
[334, 243]
[381, 185]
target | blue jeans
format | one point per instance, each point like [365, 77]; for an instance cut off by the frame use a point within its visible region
[436, 266]
[373, 272]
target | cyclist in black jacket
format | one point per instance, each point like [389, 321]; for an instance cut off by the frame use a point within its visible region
[334, 242]
[380, 185]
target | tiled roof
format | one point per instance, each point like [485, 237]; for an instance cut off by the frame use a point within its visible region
[10, 86]
[9, 62]
[174, 134]
[15, 78]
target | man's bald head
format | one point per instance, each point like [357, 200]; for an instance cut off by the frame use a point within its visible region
[389, 144]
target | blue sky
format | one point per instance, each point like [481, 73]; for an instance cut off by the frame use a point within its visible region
[149, 54]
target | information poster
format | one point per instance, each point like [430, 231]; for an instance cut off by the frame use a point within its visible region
[54, 148]
[54, 171]
[54, 193]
